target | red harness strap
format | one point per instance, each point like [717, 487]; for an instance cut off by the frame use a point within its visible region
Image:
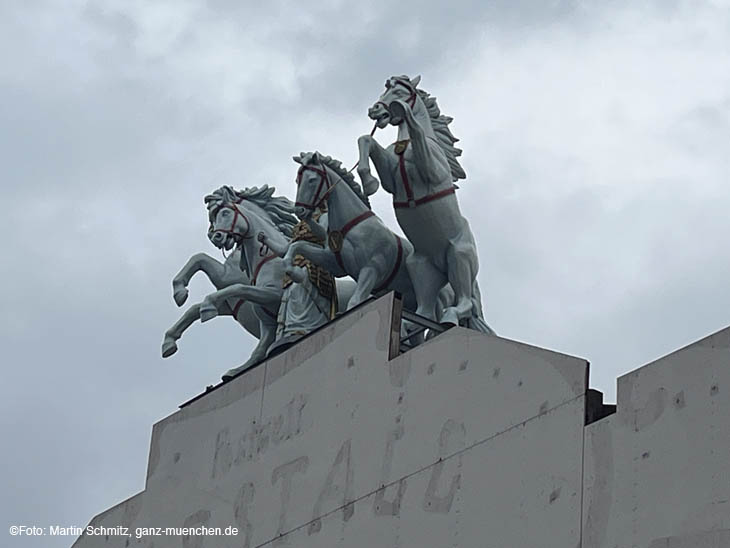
[258, 268]
[237, 307]
[241, 301]
[349, 225]
[425, 199]
[411, 202]
[406, 184]
[253, 282]
[337, 241]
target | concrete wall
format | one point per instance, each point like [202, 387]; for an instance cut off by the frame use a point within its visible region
[465, 441]
[657, 473]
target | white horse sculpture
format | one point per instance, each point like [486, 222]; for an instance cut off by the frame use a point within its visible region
[419, 170]
[236, 218]
[221, 275]
[359, 244]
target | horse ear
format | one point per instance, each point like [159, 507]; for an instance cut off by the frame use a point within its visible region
[416, 81]
[315, 156]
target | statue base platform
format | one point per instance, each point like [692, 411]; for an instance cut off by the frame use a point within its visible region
[467, 440]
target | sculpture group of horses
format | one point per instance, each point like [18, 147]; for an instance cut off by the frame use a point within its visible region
[434, 268]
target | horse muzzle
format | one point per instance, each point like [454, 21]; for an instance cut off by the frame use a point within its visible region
[221, 240]
[380, 114]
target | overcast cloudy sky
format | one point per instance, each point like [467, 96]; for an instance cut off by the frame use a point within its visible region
[596, 144]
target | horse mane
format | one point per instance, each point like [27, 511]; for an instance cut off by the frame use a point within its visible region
[307, 158]
[439, 123]
[444, 137]
[277, 209]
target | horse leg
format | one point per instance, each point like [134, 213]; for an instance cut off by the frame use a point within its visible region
[462, 270]
[366, 280]
[318, 255]
[280, 248]
[200, 261]
[477, 320]
[370, 149]
[268, 336]
[317, 229]
[245, 316]
[263, 296]
[427, 281]
[345, 289]
[172, 335]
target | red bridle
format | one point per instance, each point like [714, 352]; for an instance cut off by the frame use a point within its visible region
[411, 90]
[232, 230]
[324, 182]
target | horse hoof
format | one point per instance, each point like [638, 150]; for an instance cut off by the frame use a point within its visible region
[169, 347]
[228, 375]
[180, 296]
[449, 319]
[370, 185]
[207, 313]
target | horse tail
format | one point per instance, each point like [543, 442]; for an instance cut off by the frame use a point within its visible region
[476, 321]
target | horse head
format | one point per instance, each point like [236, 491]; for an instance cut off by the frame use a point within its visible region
[229, 224]
[396, 88]
[318, 184]
[237, 216]
[313, 184]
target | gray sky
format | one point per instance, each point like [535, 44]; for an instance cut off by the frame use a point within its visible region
[596, 145]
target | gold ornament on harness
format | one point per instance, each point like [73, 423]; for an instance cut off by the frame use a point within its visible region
[320, 278]
[401, 146]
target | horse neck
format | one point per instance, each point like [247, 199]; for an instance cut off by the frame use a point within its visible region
[343, 204]
[251, 245]
[420, 113]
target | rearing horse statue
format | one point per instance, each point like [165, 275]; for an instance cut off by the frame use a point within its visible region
[358, 243]
[236, 218]
[419, 170]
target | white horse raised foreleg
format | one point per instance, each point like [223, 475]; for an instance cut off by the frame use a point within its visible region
[427, 157]
[216, 271]
[318, 255]
[263, 296]
[370, 149]
[189, 317]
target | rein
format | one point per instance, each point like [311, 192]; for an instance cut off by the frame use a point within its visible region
[411, 101]
[372, 132]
